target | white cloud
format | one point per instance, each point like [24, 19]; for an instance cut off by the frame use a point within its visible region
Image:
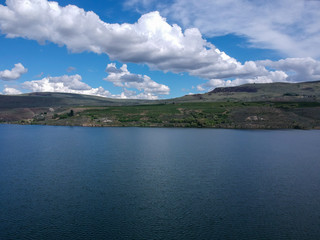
[123, 78]
[66, 84]
[153, 41]
[14, 73]
[11, 91]
[150, 40]
[299, 69]
[288, 26]
[275, 76]
[284, 70]
[129, 94]
[74, 84]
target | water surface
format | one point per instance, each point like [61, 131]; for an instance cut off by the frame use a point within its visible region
[157, 183]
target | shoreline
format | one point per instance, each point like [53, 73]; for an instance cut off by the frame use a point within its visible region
[170, 127]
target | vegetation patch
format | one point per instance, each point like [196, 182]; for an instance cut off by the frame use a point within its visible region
[276, 105]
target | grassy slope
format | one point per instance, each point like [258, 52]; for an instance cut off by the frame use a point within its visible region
[210, 114]
[277, 105]
[34, 100]
[29, 106]
[275, 92]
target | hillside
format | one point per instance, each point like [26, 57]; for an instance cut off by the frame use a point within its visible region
[47, 99]
[275, 92]
[276, 105]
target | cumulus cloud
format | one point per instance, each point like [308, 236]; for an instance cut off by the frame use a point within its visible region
[74, 84]
[284, 70]
[275, 76]
[299, 69]
[66, 84]
[288, 26]
[130, 94]
[151, 40]
[14, 73]
[160, 45]
[11, 91]
[123, 78]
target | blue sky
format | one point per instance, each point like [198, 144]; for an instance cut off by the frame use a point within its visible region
[143, 49]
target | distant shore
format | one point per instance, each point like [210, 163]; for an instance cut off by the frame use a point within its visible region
[249, 106]
[228, 115]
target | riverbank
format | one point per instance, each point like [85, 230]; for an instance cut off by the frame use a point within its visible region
[235, 115]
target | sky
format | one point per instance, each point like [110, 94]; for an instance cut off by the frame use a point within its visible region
[149, 50]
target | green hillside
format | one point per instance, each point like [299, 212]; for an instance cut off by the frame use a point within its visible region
[47, 99]
[276, 92]
[250, 106]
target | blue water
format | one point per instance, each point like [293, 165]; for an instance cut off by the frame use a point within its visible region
[152, 183]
